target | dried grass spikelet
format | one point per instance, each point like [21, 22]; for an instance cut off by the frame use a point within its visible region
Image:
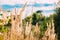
[12, 35]
[12, 22]
[53, 26]
[28, 31]
[16, 22]
[20, 33]
[16, 27]
[16, 16]
[37, 28]
[21, 12]
[21, 37]
[4, 16]
[47, 33]
[36, 32]
[9, 35]
[5, 36]
[53, 35]
[48, 29]
[32, 36]
[29, 27]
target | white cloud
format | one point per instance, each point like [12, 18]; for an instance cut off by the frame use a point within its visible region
[47, 14]
[13, 2]
[47, 8]
[28, 9]
[44, 8]
[46, 1]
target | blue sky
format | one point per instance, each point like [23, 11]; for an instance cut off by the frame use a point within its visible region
[47, 6]
[6, 6]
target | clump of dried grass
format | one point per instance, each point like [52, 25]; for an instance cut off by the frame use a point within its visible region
[17, 31]
[50, 32]
[36, 32]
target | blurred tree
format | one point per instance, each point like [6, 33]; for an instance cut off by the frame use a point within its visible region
[0, 14]
[57, 22]
[8, 11]
[37, 17]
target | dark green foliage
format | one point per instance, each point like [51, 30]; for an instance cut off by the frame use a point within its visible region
[34, 19]
[0, 14]
[8, 11]
[57, 22]
[37, 17]
[38, 11]
[9, 23]
[3, 28]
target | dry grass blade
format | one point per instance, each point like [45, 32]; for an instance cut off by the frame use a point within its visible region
[53, 35]
[21, 12]
[53, 26]
[36, 32]
[28, 31]
[5, 36]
